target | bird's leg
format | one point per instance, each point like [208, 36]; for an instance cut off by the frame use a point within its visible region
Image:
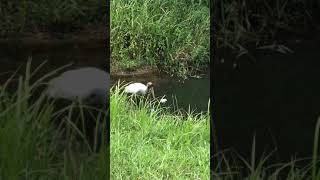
[152, 92]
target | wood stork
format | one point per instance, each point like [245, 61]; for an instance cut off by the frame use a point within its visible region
[90, 86]
[140, 89]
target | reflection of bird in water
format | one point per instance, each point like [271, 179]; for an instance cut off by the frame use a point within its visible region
[139, 89]
[163, 100]
[88, 85]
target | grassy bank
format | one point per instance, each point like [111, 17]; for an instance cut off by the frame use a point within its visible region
[172, 36]
[33, 147]
[156, 144]
[49, 15]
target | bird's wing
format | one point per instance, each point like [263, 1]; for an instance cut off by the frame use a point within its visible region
[136, 88]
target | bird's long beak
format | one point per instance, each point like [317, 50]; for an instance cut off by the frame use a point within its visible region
[152, 92]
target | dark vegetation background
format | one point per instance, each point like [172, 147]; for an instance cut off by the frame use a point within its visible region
[242, 22]
[58, 32]
[32, 16]
[265, 93]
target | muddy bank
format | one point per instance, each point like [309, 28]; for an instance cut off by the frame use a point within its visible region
[144, 71]
[96, 33]
[84, 48]
[88, 47]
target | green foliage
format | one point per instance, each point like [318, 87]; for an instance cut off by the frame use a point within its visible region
[149, 142]
[49, 15]
[171, 35]
[31, 144]
[234, 166]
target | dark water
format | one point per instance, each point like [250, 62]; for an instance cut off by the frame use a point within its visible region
[57, 53]
[275, 96]
[194, 92]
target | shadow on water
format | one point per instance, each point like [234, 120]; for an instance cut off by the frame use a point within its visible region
[276, 96]
[193, 91]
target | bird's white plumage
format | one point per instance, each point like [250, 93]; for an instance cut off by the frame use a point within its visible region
[136, 88]
[79, 83]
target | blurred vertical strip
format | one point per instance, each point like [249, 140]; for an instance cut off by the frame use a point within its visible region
[214, 17]
[108, 69]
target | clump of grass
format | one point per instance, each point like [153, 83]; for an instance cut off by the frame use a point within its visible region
[49, 15]
[31, 144]
[238, 167]
[148, 142]
[315, 161]
[171, 35]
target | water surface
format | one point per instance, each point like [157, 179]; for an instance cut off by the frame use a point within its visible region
[193, 92]
[14, 54]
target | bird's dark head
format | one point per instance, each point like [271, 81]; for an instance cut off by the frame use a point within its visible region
[149, 85]
[150, 88]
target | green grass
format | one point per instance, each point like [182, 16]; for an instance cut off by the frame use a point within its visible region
[156, 144]
[172, 36]
[233, 166]
[49, 15]
[32, 146]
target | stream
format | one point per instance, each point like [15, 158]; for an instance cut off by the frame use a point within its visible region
[192, 92]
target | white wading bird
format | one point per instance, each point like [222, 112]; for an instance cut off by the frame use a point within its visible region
[90, 85]
[139, 89]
